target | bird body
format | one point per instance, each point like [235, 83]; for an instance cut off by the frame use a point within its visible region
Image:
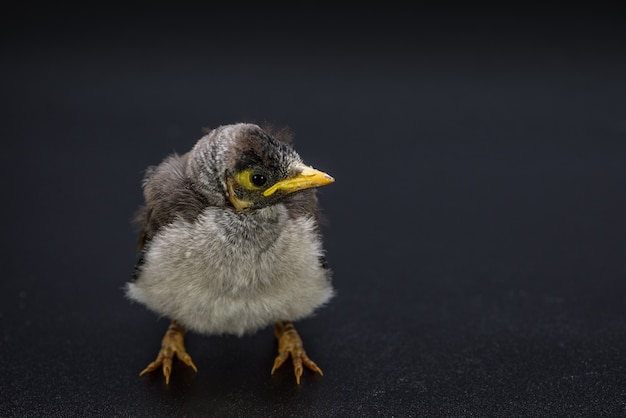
[230, 241]
[231, 272]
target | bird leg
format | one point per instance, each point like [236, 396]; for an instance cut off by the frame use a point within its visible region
[290, 343]
[172, 344]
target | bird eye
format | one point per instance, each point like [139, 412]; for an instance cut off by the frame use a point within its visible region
[258, 180]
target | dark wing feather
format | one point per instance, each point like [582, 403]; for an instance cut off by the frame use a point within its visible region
[169, 195]
[305, 203]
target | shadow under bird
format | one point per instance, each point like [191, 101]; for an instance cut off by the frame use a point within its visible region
[230, 243]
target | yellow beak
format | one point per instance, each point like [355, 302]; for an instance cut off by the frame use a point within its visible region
[308, 177]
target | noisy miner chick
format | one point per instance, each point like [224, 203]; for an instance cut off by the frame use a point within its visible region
[230, 243]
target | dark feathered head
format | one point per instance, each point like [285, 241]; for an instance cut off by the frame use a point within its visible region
[249, 168]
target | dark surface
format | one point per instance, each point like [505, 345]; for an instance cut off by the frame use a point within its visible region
[477, 227]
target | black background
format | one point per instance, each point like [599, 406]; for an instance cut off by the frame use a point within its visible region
[476, 228]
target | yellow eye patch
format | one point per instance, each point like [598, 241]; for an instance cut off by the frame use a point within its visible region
[250, 180]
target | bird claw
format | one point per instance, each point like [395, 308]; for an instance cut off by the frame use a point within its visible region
[171, 345]
[290, 344]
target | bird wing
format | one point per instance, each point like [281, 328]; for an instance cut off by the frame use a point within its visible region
[305, 203]
[169, 195]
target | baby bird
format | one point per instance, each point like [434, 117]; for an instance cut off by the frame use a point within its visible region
[230, 243]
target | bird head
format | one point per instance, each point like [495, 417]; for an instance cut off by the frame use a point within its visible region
[250, 168]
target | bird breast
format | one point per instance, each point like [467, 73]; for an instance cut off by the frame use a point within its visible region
[234, 272]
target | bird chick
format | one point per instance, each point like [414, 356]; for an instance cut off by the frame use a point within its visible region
[230, 243]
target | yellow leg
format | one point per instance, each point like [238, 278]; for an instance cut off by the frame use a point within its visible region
[290, 343]
[172, 344]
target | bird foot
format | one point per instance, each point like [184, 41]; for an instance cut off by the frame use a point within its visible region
[290, 343]
[172, 344]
